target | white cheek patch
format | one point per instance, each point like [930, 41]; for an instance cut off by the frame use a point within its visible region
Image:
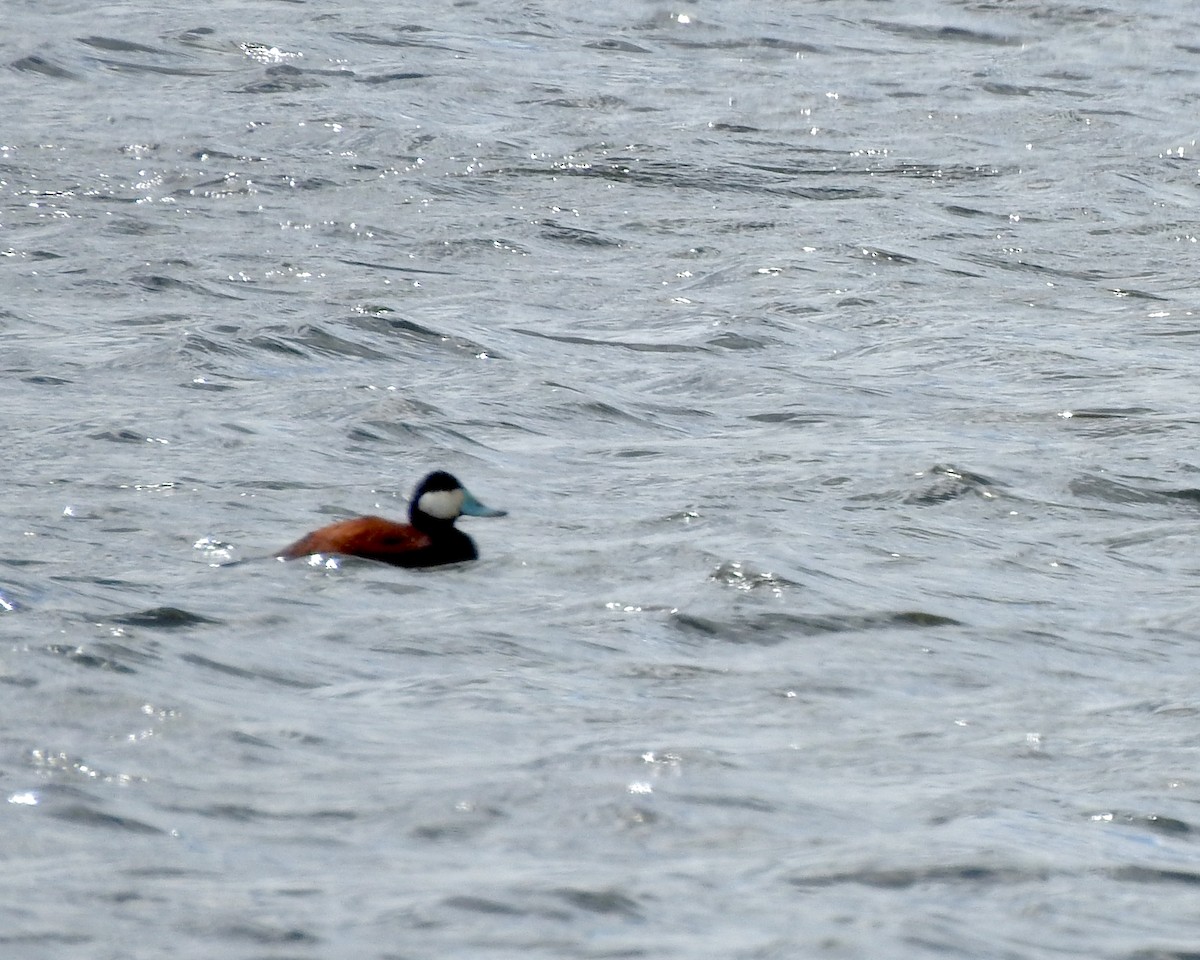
[442, 504]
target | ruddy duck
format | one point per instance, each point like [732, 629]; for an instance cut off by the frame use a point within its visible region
[427, 540]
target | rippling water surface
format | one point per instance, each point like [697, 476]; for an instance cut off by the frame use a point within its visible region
[836, 363]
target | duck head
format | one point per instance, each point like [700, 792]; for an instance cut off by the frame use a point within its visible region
[441, 498]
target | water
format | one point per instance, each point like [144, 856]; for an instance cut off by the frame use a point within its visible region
[835, 363]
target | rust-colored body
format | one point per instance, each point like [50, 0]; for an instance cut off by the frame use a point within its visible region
[374, 538]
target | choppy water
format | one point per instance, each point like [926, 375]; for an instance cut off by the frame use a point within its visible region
[837, 365]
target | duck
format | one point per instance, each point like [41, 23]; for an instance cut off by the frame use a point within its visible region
[429, 539]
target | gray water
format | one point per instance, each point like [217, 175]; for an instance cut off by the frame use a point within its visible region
[836, 363]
